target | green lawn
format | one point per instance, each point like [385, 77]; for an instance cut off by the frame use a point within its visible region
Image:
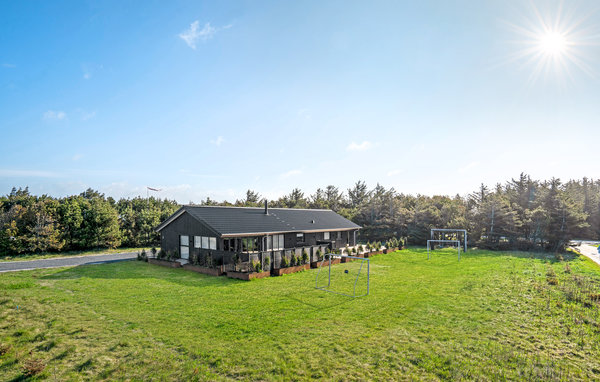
[50, 255]
[492, 316]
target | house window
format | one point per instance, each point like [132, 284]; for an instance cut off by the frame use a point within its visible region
[184, 240]
[212, 243]
[205, 242]
[197, 242]
[325, 235]
[299, 237]
[277, 242]
[339, 235]
[269, 243]
[249, 244]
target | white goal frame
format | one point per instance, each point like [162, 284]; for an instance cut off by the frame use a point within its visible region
[443, 232]
[457, 242]
[355, 281]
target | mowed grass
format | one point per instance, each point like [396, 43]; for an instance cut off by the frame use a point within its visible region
[491, 316]
[52, 255]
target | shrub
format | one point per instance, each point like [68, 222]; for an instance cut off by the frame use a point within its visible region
[295, 261]
[153, 251]
[354, 250]
[162, 254]
[32, 367]
[361, 248]
[319, 254]
[284, 262]
[327, 250]
[256, 266]
[267, 261]
[304, 256]
[176, 255]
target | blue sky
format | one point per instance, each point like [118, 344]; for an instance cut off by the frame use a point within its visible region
[212, 98]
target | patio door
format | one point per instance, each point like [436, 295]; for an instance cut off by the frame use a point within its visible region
[184, 247]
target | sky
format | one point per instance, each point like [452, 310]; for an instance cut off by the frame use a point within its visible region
[209, 99]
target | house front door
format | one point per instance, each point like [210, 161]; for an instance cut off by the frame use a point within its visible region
[185, 252]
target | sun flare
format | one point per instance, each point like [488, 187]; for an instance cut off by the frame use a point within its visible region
[553, 43]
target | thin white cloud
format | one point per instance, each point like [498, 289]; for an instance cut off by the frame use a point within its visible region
[305, 114]
[290, 173]
[217, 142]
[365, 145]
[85, 116]
[52, 115]
[468, 167]
[10, 66]
[27, 174]
[394, 172]
[77, 157]
[194, 34]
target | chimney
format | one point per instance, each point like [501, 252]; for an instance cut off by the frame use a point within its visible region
[266, 207]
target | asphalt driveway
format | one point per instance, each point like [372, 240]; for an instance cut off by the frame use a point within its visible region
[9, 266]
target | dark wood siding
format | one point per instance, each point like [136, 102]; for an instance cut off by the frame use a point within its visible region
[185, 225]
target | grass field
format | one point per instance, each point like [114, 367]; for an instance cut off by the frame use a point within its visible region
[51, 255]
[492, 316]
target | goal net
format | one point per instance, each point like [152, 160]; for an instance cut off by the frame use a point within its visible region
[349, 277]
[442, 243]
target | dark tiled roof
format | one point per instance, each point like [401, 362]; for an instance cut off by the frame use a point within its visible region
[242, 220]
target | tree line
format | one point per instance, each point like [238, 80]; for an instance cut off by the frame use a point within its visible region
[522, 214]
[30, 223]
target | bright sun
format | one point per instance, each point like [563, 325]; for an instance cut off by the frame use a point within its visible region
[553, 43]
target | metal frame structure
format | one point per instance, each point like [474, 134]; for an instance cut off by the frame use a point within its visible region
[442, 230]
[355, 281]
[457, 242]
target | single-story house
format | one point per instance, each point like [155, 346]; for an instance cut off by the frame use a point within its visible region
[225, 231]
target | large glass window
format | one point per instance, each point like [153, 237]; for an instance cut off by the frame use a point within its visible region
[325, 235]
[277, 242]
[269, 243]
[184, 240]
[212, 243]
[197, 242]
[249, 244]
[205, 242]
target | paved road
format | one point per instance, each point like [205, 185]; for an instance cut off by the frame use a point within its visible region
[589, 251]
[9, 266]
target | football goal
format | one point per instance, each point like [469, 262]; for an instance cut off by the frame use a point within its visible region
[443, 243]
[350, 278]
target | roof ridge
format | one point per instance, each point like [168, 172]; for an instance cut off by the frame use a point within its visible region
[259, 208]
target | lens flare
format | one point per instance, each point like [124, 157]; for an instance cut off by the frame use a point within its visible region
[552, 44]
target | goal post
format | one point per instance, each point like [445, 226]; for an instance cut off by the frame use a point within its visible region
[429, 242]
[350, 278]
[450, 234]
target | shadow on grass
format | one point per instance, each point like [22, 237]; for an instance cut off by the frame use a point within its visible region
[484, 253]
[318, 299]
[140, 270]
